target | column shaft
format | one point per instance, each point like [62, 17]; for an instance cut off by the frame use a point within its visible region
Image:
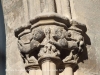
[34, 8]
[32, 72]
[68, 71]
[49, 6]
[63, 8]
[48, 68]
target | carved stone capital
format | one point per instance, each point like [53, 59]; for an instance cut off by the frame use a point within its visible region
[47, 37]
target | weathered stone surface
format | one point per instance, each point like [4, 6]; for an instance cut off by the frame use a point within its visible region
[86, 12]
[14, 17]
[47, 37]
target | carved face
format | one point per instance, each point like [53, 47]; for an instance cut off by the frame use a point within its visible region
[38, 35]
[60, 33]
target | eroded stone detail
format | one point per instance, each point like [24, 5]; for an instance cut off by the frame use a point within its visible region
[48, 36]
[75, 42]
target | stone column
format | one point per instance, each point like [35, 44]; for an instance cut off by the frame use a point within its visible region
[49, 61]
[63, 7]
[68, 69]
[33, 8]
[32, 72]
[49, 6]
[48, 67]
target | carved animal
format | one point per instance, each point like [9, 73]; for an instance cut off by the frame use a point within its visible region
[77, 37]
[29, 46]
[60, 38]
[75, 44]
[24, 43]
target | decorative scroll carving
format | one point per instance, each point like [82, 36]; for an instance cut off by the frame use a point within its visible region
[47, 36]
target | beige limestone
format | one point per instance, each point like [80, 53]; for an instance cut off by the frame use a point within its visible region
[83, 11]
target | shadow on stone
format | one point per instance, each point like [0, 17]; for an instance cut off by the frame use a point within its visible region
[2, 43]
[84, 55]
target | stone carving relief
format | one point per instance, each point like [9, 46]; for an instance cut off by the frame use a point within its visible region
[50, 37]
